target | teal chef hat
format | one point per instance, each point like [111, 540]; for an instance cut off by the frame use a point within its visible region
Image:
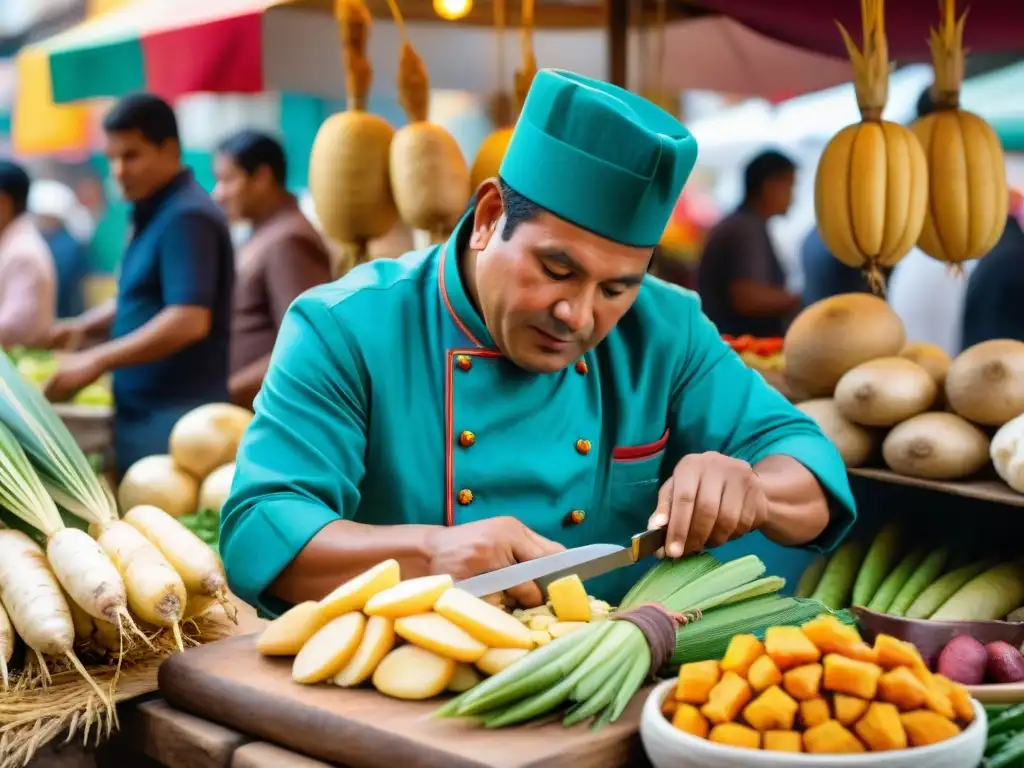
[599, 157]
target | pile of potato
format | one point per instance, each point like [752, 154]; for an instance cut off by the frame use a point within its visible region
[820, 689]
[417, 638]
[848, 362]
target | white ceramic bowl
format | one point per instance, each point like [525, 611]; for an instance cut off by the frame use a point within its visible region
[668, 747]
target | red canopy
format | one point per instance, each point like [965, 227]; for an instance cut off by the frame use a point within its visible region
[992, 27]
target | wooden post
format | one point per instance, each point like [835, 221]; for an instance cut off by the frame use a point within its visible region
[618, 41]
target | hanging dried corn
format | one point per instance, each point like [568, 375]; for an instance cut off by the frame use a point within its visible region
[871, 186]
[968, 198]
[492, 149]
[348, 164]
[429, 175]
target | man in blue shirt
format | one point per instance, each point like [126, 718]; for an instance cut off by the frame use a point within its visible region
[170, 322]
[993, 308]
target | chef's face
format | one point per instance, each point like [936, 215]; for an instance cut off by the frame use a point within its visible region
[551, 291]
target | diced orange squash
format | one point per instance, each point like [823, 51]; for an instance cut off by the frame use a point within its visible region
[924, 727]
[814, 712]
[892, 652]
[669, 706]
[763, 674]
[743, 651]
[881, 729]
[830, 635]
[688, 718]
[735, 735]
[831, 738]
[901, 687]
[782, 741]
[789, 647]
[804, 682]
[963, 708]
[856, 678]
[937, 697]
[773, 710]
[848, 708]
[696, 681]
[727, 699]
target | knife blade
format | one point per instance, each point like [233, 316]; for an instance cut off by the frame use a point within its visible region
[587, 562]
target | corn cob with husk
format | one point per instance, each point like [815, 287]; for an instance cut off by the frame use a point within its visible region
[429, 176]
[348, 164]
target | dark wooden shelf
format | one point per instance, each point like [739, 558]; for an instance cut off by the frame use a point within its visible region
[994, 491]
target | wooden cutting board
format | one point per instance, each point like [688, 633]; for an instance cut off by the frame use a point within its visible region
[228, 682]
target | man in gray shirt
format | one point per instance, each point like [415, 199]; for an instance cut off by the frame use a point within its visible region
[740, 281]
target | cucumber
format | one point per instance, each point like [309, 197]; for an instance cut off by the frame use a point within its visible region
[879, 561]
[943, 588]
[833, 591]
[811, 577]
[927, 572]
[894, 581]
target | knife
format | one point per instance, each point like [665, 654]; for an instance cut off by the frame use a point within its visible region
[587, 562]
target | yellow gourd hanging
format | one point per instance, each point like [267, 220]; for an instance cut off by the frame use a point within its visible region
[429, 175]
[492, 149]
[348, 163]
[871, 186]
[968, 196]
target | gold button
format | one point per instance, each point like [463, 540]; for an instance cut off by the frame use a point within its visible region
[575, 517]
[463, 363]
[466, 438]
[583, 446]
[465, 497]
[581, 367]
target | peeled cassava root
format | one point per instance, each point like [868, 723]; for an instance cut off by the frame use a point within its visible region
[429, 176]
[854, 442]
[968, 195]
[885, 391]
[871, 185]
[936, 446]
[833, 335]
[349, 177]
[985, 383]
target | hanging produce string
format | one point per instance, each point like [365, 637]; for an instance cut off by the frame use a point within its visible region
[524, 76]
[659, 627]
[659, 48]
[500, 22]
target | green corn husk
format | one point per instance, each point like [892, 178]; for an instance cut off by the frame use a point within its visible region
[668, 576]
[55, 455]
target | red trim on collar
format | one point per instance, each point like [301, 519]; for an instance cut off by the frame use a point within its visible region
[444, 297]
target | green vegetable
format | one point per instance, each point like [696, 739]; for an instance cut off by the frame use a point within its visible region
[880, 559]
[926, 573]
[811, 576]
[1010, 752]
[833, 591]
[943, 588]
[994, 743]
[894, 581]
[989, 596]
[1011, 719]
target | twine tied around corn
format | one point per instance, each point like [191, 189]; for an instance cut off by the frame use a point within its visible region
[659, 626]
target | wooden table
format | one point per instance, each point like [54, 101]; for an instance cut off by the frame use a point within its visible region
[995, 491]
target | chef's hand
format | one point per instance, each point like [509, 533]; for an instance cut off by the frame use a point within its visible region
[486, 545]
[77, 371]
[709, 500]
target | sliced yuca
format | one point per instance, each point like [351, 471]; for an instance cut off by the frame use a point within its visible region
[569, 599]
[83, 570]
[491, 626]
[409, 598]
[156, 593]
[496, 659]
[199, 567]
[36, 605]
[6, 646]
[286, 634]
[435, 633]
[465, 677]
[354, 593]
[330, 649]
[410, 672]
[377, 641]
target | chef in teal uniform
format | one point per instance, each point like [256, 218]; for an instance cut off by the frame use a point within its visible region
[524, 387]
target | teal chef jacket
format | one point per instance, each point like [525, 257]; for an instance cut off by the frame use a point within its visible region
[386, 403]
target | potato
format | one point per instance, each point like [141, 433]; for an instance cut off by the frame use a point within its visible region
[963, 660]
[1005, 664]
